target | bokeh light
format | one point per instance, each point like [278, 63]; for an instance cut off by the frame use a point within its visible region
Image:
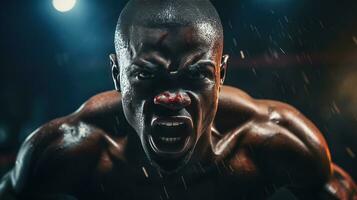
[63, 5]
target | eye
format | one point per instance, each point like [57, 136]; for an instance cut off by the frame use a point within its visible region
[195, 73]
[145, 75]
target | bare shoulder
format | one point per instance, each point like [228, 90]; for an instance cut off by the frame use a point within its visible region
[285, 146]
[101, 105]
[234, 108]
[60, 153]
[17, 180]
[305, 151]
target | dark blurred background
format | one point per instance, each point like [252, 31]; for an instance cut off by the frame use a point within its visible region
[303, 52]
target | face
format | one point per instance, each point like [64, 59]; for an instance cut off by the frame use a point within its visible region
[169, 79]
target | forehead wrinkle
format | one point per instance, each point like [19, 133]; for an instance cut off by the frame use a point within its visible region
[192, 59]
[162, 38]
[148, 36]
[153, 59]
[175, 50]
[169, 13]
[165, 40]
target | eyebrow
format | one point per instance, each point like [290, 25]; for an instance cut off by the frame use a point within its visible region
[197, 59]
[209, 62]
[155, 62]
[150, 63]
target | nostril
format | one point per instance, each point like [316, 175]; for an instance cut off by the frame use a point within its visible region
[185, 99]
[161, 98]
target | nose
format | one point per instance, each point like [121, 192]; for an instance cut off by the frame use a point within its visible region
[173, 100]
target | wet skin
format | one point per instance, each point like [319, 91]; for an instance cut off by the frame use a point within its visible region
[175, 132]
[94, 154]
[173, 78]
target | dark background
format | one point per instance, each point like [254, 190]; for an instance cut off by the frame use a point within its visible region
[303, 52]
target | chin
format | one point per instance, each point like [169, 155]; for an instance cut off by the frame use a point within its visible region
[171, 165]
[169, 161]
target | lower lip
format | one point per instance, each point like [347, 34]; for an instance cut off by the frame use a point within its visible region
[181, 149]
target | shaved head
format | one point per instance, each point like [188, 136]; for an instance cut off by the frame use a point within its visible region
[168, 47]
[167, 14]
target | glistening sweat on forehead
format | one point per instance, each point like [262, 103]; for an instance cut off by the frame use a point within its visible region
[199, 15]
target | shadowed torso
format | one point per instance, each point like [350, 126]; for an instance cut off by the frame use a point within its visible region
[254, 148]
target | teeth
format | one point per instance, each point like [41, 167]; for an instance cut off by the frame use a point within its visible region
[170, 123]
[170, 140]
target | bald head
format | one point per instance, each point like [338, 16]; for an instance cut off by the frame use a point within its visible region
[168, 14]
[164, 47]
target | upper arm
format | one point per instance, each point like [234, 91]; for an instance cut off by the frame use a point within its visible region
[18, 181]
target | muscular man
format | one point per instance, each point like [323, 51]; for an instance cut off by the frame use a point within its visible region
[174, 132]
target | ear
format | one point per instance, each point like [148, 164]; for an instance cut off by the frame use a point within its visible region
[115, 71]
[223, 68]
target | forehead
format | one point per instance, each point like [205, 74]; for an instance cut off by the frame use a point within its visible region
[173, 39]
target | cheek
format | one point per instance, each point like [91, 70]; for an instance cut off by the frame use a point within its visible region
[136, 96]
[131, 111]
[141, 90]
[133, 107]
[209, 95]
[208, 101]
[209, 104]
[132, 91]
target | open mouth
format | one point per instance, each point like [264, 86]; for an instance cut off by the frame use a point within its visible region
[171, 135]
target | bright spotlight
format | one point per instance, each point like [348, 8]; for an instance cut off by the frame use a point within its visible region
[63, 5]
